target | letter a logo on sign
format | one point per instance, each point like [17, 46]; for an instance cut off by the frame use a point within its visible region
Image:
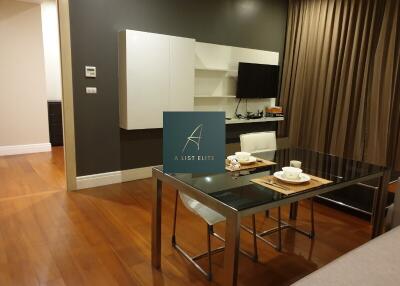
[193, 138]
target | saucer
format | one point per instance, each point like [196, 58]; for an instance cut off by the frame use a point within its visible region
[251, 160]
[303, 178]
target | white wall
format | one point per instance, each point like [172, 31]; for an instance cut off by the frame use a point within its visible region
[51, 47]
[23, 102]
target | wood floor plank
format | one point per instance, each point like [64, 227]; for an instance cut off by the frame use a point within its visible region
[101, 236]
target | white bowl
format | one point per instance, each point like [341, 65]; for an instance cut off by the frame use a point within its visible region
[291, 173]
[243, 156]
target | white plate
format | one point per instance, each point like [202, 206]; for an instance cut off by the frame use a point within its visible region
[251, 160]
[303, 178]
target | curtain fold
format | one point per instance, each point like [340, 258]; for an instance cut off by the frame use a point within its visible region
[341, 78]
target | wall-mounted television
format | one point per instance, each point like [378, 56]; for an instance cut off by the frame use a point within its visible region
[257, 81]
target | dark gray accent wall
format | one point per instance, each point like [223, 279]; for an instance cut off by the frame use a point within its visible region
[101, 146]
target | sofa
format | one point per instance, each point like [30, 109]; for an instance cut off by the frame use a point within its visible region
[374, 263]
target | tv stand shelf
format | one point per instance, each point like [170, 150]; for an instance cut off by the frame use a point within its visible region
[215, 96]
[214, 69]
[225, 72]
[264, 119]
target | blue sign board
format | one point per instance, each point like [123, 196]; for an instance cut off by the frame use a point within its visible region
[194, 142]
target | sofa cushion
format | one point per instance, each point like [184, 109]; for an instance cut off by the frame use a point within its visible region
[375, 263]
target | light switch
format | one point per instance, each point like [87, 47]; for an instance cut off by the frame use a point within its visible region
[91, 90]
[90, 71]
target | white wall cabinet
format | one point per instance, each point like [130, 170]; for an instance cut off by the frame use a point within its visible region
[156, 74]
[182, 56]
[166, 73]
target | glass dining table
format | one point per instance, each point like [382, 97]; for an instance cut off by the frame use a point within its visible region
[234, 195]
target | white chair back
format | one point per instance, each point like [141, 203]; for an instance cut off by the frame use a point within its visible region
[258, 142]
[209, 215]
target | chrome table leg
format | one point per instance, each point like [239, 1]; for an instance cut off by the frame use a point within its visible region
[231, 255]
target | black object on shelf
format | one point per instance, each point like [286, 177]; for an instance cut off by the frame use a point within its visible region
[55, 123]
[253, 116]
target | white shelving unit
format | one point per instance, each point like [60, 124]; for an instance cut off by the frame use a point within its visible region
[216, 71]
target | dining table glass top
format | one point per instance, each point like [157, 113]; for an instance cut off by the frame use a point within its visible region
[236, 190]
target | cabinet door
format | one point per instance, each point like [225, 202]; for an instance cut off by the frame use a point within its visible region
[182, 55]
[147, 68]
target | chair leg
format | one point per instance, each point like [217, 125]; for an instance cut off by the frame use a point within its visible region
[209, 231]
[255, 257]
[286, 225]
[312, 234]
[267, 213]
[279, 230]
[174, 223]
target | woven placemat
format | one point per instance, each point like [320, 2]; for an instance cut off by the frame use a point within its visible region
[273, 183]
[258, 164]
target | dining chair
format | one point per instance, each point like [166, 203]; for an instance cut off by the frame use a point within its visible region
[259, 142]
[211, 218]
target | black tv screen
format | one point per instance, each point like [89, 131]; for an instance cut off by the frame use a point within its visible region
[257, 81]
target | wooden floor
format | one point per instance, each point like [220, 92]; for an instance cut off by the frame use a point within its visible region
[32, 174]
[101, 236]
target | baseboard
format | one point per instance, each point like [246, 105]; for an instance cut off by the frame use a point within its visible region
[103, 179]
[24, 149]
[97, 180]
[136, 174]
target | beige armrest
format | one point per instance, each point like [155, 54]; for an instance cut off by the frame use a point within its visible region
[375, 263]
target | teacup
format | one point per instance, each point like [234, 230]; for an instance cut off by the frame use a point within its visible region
[243, 156]
[295, 163]
[291, 173]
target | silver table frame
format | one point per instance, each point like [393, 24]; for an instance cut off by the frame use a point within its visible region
[233, 216]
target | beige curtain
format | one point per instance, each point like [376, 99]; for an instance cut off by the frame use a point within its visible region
[340, 84]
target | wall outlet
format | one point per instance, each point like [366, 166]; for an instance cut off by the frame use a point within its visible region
[90, 71]
[91, 90]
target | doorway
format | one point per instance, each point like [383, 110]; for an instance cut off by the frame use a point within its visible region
[32, 144]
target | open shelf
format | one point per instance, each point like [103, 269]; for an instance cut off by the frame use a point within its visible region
[213, 69]
[215, 96]
[227, 72]
[263, 119]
